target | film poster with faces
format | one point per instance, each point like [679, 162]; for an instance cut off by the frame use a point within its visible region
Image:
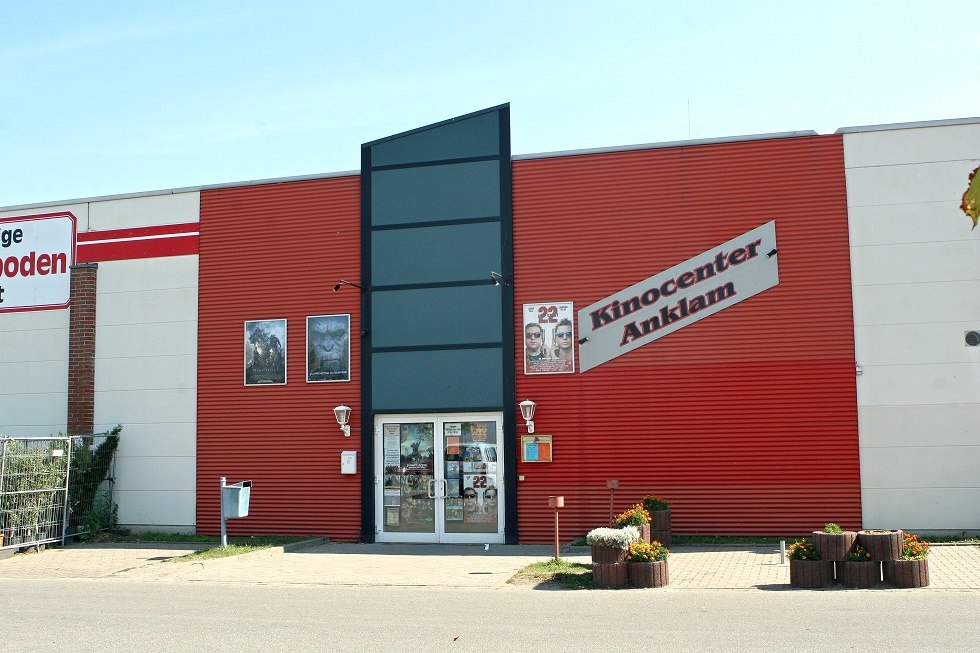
[549, 338]
[471, 472]
[327, 348]
[408, 460]
[265, 352]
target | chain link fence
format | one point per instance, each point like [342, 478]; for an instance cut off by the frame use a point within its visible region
[53, 488]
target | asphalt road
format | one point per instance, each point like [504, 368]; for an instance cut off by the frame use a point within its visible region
[79, 615]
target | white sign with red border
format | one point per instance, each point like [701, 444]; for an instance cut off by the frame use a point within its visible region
[36, 255]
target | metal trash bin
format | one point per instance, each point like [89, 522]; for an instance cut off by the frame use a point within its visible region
[234, 499]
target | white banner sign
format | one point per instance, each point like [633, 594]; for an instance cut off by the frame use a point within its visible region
[675, 298]
[36, 253]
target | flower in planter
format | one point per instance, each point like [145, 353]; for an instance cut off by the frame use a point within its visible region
[914, 548]
[831, 527]
[651, 503]
[859, 554]
[635, 516]
[802, 550]
[643, 552]
[614, 538]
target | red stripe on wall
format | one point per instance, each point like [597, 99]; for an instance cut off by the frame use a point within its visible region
[272, 252]
[140, 232]
[746, 420]
[138, 242]
[137, 249]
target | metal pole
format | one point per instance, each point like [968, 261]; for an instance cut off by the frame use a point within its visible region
[782, 552]
[224, 531]
[557, 557]
[64, 512]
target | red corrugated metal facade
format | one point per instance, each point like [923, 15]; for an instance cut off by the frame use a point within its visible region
[269, 252]
[746, 420]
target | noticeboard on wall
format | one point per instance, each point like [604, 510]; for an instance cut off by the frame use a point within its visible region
[536, 448]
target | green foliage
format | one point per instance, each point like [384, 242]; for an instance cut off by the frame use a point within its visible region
[913, 548]
[802, 550]
[33, 477]
[643, 552]
[655, 502]
[635, 515]
[219, 552]
[103, 516]
[567, 575]
[831, 527]
[89, 468]
[859, 554]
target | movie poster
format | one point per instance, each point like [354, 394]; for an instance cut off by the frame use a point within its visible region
[549, 338]
[327, 348]
[265, 352]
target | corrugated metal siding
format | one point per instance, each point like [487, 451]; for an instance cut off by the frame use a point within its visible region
[746, 420]
[267, 252]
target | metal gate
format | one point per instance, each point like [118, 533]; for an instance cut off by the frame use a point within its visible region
[52, 488]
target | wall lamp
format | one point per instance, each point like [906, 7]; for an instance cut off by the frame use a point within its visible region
[496, 279]
[345, 282]
[342, 413]
[527, 412]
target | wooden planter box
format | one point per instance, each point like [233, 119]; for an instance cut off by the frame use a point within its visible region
[882, 545]
[644, 532]
[833, 546]
[660, 520]
[906, 573]
[860, 575]
[661, 536]
[605, 555]
[648, 574]
[811, 573]
[610, 575]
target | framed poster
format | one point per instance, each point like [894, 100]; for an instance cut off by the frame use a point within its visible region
[536, 448]
[549, 338]
[327, 348]
[265, 352]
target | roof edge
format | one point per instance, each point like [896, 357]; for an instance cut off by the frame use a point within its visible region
[666, 144]
[909, 125]
[185, 189]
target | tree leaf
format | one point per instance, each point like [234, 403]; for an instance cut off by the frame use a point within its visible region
[971, 198]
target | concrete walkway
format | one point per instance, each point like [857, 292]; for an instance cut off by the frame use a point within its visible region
[951, 567]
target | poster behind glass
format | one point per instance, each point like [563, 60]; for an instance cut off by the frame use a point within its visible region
[265, 352]
[408, 463]
[327, 348]
[471, 470]
[549, 338]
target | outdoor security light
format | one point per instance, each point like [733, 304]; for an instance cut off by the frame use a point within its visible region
[527, 412]
[342, 413]
[345, 282]
[496, 279]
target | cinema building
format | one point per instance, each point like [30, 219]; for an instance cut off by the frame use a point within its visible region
[773, 331]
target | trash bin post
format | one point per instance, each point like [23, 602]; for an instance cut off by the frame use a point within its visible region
[234, 504]
[224, 531]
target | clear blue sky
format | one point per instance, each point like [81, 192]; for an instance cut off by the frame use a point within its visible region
[99, 98]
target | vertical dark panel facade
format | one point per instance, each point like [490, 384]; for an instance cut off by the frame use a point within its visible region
[435, 221]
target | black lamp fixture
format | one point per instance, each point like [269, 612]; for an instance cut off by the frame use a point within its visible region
[345, 282]
[496, 279]
[771, 254]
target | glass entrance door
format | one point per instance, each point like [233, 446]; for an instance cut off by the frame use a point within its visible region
[440, 478]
